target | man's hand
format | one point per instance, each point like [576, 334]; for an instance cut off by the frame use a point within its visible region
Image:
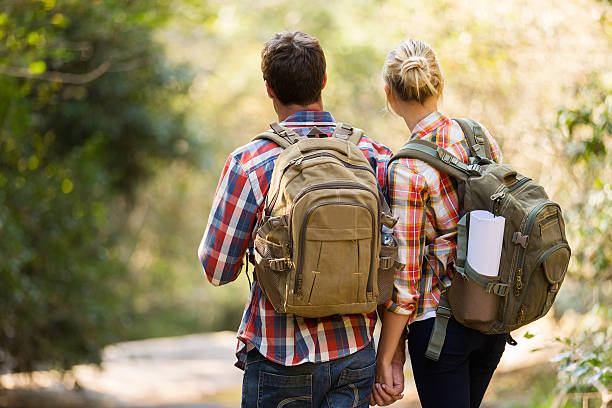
[389, 382]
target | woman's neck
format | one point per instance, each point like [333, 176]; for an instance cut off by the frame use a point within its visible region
[413, 112]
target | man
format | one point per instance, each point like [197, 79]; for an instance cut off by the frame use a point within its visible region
[287, 358]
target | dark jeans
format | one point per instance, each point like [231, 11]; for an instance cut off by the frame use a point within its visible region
[342, 383]
[461, 376]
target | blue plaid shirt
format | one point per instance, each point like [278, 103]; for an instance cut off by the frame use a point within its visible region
[283, 338]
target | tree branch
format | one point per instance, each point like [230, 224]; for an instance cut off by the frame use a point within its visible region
[53, 76]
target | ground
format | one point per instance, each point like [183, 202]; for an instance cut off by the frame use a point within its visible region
[197, 371]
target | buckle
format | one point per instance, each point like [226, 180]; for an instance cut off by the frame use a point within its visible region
[279, 264]
[474, 168]
[385, 262]
[520, 239]
[444, 312]
[499, 289]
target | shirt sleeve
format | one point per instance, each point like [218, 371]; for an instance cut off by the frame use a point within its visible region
[230, 223]
[408, 195]
[378, 156]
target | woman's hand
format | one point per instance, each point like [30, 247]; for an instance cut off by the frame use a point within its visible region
[389, 380]
[389, 383]
[390, 358]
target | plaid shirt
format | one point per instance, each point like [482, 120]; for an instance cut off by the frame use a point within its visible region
[426, 203]
[283, 338]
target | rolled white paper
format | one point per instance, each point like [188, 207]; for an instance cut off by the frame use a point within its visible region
[485, 241]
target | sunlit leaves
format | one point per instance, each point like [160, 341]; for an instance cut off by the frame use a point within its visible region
[71, 153]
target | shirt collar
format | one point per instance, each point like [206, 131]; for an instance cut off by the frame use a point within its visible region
[316, 118]
[428, 124]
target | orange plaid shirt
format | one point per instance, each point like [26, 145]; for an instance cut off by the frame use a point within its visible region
[426, 203]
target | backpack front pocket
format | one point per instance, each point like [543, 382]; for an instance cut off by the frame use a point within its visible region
[335, 255]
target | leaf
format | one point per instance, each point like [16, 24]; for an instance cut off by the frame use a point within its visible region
[37, 67]
[528, 335]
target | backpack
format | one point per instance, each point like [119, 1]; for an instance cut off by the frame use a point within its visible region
[318, 246]
[535, 253]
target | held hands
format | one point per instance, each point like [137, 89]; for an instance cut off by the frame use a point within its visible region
[389, 382]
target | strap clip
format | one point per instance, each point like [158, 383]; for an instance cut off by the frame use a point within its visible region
[386, 262]
[443, 311]
[500, 289]
[520, 239]
[474, 168]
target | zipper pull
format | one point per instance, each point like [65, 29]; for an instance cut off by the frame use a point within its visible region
[498, 196]
[296, 161]
[519, 282]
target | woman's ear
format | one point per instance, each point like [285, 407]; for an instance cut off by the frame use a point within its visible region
[387, 92]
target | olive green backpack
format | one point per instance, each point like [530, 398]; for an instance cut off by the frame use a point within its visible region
[535, 252]
[318, 247]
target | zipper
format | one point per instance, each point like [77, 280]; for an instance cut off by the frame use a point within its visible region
[549, 251]
[321, 187]
[298, 271]
[300, 159]
[529, 226]
[548, 221]
[517, 184]
[499, 196]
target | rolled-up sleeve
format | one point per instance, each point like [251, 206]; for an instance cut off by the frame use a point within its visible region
[408, 196]
[229, 227]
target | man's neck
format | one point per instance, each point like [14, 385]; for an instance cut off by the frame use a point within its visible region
[284, 111]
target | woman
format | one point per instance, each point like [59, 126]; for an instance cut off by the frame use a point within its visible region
[426, 203]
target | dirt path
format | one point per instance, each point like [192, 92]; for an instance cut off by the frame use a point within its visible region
[197, 372]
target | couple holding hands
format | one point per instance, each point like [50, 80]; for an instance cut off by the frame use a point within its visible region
[296, 361]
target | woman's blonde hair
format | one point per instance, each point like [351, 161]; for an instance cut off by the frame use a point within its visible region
[411, 71]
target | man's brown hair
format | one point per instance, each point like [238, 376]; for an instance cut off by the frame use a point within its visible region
[293, 64]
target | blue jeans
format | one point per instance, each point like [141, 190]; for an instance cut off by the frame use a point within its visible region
[467, 362]
[342, 383]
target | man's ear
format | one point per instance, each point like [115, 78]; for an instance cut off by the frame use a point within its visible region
[324, 81]
[271, 93]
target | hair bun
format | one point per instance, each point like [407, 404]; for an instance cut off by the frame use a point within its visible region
[414, 62]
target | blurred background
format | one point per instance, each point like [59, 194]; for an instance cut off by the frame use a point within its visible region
[116, 117]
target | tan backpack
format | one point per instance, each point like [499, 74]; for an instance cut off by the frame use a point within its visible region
[318, 244]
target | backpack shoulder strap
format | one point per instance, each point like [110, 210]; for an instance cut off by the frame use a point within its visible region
[438, 158]
[345, 131]
[478, 142]
[281, 136]
[356, 136]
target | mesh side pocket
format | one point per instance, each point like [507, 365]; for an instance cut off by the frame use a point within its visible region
[261, 245]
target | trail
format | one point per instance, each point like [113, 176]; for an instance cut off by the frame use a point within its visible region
[197, 371]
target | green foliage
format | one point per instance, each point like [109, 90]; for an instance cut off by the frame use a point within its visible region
[87, 112]
[586, 363]
[585, 134]
[586, 137]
